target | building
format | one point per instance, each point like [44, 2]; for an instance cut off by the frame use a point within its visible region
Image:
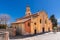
[33, 23]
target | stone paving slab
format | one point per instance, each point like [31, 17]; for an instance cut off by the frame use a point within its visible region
[46, 36]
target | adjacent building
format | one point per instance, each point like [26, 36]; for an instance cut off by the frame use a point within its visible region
[32, 23]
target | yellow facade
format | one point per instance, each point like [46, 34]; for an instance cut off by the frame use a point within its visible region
[39, 26]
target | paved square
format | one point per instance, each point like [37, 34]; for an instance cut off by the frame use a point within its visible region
[46, 36]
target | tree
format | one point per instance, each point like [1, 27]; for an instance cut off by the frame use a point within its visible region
[4, 18]
[2, 26]
[53, 20]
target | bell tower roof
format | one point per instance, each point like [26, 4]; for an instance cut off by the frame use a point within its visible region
[28, 10]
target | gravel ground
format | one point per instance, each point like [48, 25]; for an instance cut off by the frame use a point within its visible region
[46, 36]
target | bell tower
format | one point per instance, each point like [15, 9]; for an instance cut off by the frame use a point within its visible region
[28, 13]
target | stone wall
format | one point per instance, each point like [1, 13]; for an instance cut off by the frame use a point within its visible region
[12, 31]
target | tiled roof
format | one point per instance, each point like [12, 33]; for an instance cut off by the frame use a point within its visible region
[27, 16]
[23, 20]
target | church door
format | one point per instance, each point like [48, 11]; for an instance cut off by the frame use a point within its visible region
[43, 30]
[35, 31]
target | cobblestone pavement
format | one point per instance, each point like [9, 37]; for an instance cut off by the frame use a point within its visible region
[46, 36]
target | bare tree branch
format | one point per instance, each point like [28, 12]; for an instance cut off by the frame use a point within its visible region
[4, 18]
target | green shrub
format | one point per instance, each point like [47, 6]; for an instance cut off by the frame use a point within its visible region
[2, 26]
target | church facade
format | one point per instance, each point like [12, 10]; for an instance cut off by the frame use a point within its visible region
[33, 23]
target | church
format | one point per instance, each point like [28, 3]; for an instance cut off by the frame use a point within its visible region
[33, 23]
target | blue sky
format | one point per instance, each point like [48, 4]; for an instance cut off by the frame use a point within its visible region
[16, 8]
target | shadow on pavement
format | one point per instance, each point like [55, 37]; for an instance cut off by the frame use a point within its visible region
[25, 36]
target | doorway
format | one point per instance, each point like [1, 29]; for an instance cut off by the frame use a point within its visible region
[35, 31]
[43, 30]
[48, 29]
[18, 31]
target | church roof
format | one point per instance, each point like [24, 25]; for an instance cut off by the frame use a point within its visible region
[27, 16]
[23, 20]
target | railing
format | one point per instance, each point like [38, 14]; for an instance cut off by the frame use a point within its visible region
[4, 36]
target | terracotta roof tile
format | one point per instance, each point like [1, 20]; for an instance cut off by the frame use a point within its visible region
[23, 20]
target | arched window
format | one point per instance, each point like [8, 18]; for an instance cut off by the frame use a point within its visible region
[35, 23]
[29, 24]
[40, 20]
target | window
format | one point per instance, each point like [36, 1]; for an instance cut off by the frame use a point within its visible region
[40, 20]
[35, 23]
[29, 24]
[15, 26]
